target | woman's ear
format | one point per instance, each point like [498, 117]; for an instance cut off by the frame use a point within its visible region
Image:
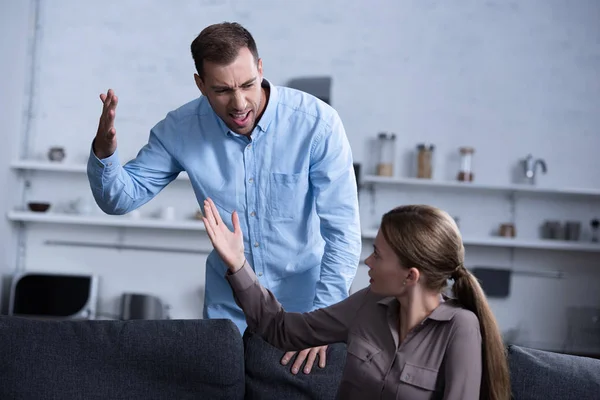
[413, 276]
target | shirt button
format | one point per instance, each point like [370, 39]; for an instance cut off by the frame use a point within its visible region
[252, 214]
[251, 180]
[248, 147]
[255, 244]
[260, 274]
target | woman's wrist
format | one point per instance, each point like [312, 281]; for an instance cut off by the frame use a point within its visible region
[239, 264]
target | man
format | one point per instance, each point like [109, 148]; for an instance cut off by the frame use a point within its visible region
[277, 156]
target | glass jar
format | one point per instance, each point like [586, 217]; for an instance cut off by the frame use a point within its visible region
[466, 164]
[424, 161]
[387, 154]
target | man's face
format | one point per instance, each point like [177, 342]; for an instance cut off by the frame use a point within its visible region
[234, 91]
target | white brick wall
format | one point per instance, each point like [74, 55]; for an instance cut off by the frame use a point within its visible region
[505, 77]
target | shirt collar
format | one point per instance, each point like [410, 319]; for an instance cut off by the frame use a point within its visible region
[271, 108]
[444, 312]
[267, 117]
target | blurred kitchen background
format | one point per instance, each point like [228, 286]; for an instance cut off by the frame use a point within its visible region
[488, 109]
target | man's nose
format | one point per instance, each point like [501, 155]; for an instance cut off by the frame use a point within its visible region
[238, 101]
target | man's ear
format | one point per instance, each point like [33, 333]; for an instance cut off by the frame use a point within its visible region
[200, 84]
[259, 67]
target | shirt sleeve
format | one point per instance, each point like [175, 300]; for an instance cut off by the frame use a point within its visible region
[119, 189]
[287, 330]
[463, 363]
[336, 196]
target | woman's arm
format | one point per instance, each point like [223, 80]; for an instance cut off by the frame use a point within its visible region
[463, 361]
[286, 330]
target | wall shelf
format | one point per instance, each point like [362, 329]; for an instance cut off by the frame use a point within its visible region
[517, 243]
[370, 180]
[104, 220]
[35, 165]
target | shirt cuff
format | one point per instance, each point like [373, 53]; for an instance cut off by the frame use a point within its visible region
[242, 279]
[109, 162]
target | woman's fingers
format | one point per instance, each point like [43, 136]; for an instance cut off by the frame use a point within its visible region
[235, 220]
[208, 212]
[215, 212]
[209, 229]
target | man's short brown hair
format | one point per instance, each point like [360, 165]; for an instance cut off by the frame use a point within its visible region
[221, 43]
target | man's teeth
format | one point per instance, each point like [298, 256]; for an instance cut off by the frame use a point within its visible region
[239, 115]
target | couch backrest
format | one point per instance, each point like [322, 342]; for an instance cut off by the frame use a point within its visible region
[267, 379]
[537, 374]
[169, 359]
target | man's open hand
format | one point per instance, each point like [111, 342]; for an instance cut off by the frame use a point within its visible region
[105, 143]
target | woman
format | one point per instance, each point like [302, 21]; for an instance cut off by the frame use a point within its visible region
[405, 339]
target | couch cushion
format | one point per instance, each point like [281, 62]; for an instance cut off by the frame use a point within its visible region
[537, 374]
[167, 359]
[267, 379]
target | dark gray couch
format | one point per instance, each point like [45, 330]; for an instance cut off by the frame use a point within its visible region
[209, 359]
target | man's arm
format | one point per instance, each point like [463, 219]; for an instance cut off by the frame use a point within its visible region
[334, 184]
[119, 189]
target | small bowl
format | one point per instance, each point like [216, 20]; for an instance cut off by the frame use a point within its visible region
[39, 207]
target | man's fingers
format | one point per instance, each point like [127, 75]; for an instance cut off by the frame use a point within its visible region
[106, 118]
[299, 361]
[310, 360]
[107, 100]
[287, 357]
[110, 135]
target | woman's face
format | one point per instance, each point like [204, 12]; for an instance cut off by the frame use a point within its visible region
[386, 273]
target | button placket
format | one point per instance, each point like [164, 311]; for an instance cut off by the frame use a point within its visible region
[251, 205]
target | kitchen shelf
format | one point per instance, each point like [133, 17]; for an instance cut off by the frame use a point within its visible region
[517, 243]
[35, 165]
[104, 220]
[475, 186]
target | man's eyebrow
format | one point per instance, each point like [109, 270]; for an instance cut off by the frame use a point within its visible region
[249, 81]
[219, 87]
[225, 87]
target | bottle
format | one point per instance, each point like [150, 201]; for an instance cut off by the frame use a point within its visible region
[387, 151]
[424, 161]
[466, 164]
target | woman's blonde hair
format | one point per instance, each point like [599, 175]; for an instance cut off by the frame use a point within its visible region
[428, 239]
